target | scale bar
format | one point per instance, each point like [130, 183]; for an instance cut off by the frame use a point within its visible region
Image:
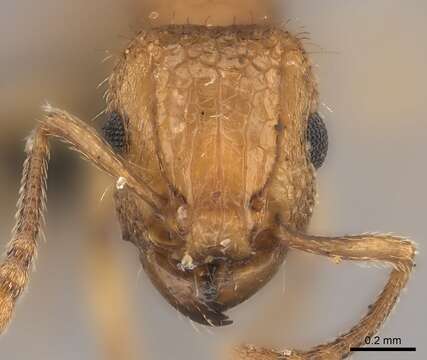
[383, 349]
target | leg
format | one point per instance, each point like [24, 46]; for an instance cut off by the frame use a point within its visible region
[22, 248]
[14, 271]
[396, 251]
[86, 141]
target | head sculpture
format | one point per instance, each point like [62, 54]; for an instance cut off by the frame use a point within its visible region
[212, 120]
[213, 139]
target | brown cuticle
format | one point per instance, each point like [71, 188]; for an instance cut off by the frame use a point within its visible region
[188, 191]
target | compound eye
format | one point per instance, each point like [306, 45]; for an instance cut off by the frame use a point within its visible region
[317, 137]
[114, 132]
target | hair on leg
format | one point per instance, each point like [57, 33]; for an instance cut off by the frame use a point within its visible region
[14, 271]
[21, 249]
[396, 251]
[85, 140]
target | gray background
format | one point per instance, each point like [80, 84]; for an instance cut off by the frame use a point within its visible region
[371, 62]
